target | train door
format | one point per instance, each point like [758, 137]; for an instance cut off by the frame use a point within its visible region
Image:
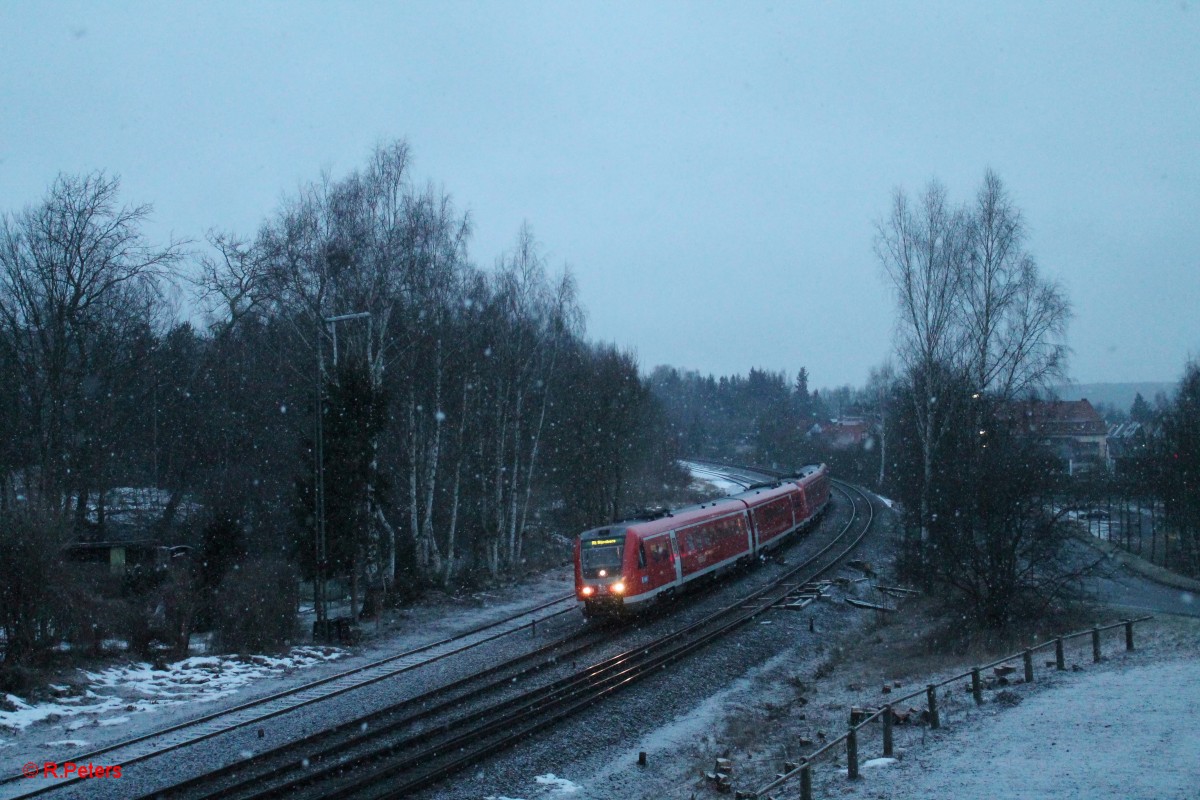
[676, 559]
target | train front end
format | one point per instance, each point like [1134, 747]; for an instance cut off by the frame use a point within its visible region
[603, 571]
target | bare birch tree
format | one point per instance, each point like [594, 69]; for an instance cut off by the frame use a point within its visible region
[922, 251]
[1014, 321]
[977, 327]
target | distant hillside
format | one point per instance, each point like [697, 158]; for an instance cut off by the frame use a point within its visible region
[1118, 395]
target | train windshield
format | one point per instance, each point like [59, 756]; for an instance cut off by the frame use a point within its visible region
[601, 555]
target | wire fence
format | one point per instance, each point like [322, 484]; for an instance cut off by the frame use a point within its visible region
[876, 728]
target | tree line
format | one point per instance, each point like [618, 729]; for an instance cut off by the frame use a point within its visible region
[360, 395]
[760, 418]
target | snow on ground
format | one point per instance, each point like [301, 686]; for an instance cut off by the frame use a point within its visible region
[556, 787]
[1124, 728]
[138, 693]
[1127, 734]
[563, 785]
[140, 687]
[709, 481]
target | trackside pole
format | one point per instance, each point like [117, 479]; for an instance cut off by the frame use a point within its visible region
[887, 731]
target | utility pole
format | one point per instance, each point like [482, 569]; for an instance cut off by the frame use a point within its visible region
[321, 628]
[319, 598]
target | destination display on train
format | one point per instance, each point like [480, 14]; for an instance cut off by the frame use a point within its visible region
[598, 542]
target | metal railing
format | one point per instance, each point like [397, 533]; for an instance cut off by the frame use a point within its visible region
[859, 718]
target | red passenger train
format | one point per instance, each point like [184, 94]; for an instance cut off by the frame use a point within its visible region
[626, 564]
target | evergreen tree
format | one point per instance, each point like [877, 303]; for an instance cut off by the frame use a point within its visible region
[1140, 411]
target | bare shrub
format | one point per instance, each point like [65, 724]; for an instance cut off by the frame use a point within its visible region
[256, 605]
[33, 614]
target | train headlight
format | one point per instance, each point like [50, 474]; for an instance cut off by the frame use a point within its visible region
[588, 591]
[618, 588]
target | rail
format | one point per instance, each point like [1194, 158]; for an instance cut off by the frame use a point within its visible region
[154, 743]
[385, 760]
[859, 718]
[519, 717]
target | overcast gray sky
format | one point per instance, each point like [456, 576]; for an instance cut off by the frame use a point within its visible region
[711, 172]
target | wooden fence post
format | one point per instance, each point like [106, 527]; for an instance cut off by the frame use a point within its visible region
[1128, 634]
[887, 731]
[976, 686]
[1060, 660]
[852, 753]
[1028, 657]
[806, 781]
[1096, 643]
[931, 694]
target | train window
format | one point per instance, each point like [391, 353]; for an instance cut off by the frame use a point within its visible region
[594, 558]
[641, 555]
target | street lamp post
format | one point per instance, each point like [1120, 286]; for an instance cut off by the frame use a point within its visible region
[319, 600]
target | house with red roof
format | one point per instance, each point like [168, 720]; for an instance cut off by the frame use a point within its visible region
[1072, 429]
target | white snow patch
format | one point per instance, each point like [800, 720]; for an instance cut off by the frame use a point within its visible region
[887, 501]
[68, 743]
[700, 721]
[140, 687]
[561, 784]
[1098, 736]
[707, 480]
[114, 721]
[26, 714]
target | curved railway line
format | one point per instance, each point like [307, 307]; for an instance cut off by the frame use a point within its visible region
[425, 739]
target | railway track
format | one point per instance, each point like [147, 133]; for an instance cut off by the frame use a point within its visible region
[421, 741]
[155, 743]
[741, 476]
